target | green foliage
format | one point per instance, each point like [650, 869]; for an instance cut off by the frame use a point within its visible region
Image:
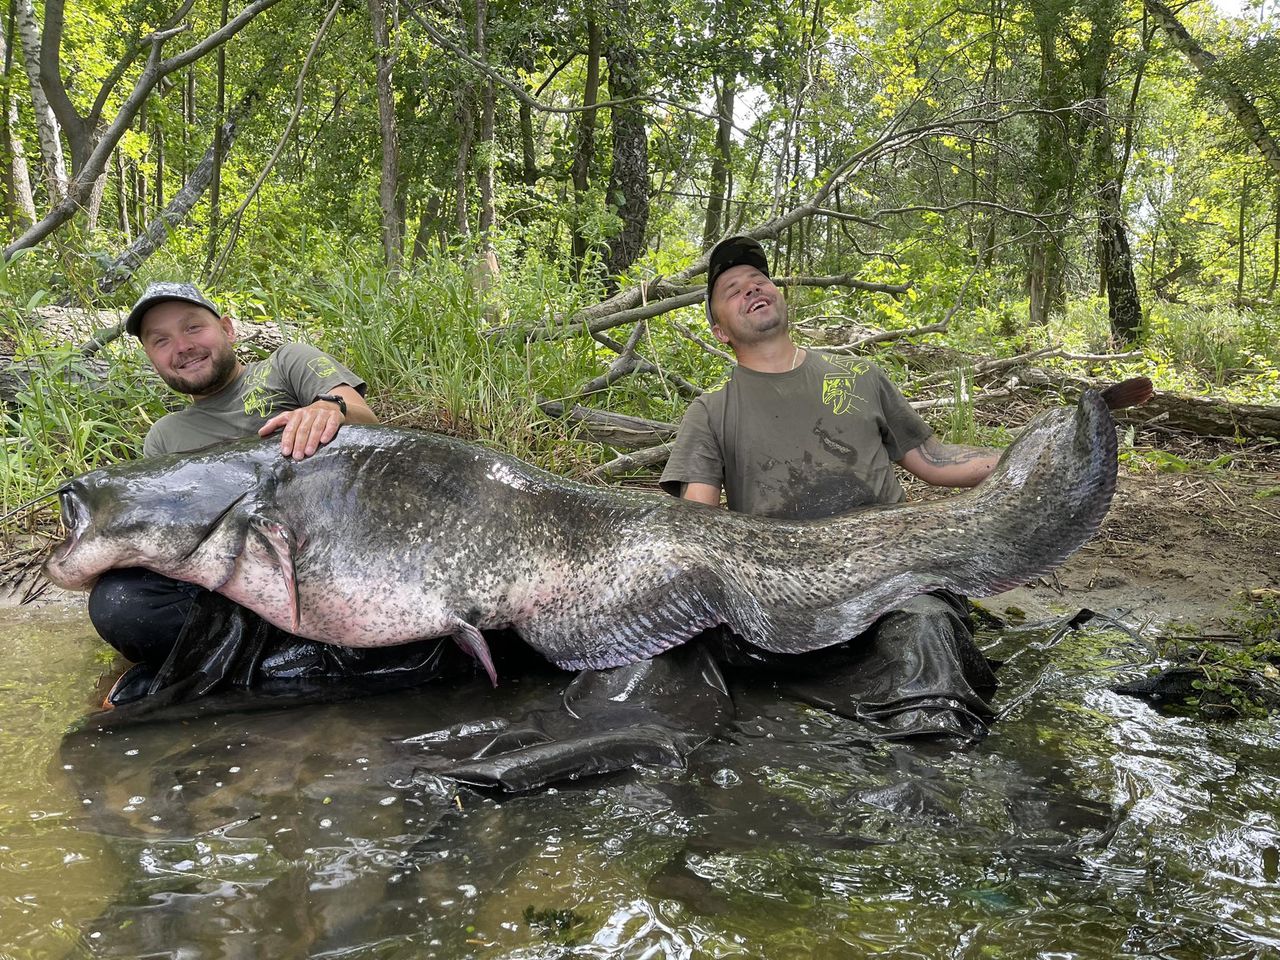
[71, 416]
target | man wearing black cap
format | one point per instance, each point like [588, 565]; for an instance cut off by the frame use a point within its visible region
[299, 391]
[799, 435]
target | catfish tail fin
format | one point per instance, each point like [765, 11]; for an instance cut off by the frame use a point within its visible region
[1128, 393]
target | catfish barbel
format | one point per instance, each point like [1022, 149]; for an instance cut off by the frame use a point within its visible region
[387, 536]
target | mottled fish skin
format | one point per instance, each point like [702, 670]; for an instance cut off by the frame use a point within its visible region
[387, 536]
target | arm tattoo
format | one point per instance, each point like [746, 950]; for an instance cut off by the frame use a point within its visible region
[951, 454]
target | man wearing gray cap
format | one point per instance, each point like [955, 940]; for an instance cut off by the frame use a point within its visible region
[799, 435]
[299, 391]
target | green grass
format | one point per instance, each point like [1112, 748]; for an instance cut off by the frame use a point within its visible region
[69, 418]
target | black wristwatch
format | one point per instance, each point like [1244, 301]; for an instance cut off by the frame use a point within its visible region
[334, 398]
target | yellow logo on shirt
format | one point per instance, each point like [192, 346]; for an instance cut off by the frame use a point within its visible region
[838, 388]
[258, 400]
[322, 367]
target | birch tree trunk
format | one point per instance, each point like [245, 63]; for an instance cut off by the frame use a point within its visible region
[48, 131]
[20, 203]
[1236, 99]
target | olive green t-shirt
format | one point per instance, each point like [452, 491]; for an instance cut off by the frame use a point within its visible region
[290, 378]
[809, 443]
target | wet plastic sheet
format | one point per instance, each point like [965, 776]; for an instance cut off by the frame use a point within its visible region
[917, 673]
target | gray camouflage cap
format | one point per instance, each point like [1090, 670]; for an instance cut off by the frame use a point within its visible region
[159, 293]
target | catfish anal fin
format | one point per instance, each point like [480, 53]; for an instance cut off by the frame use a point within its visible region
[473, 643]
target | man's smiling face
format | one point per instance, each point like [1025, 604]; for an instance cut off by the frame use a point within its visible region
[189, 346]
[747, 306]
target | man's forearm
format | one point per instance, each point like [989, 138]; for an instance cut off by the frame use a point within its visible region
[708, 493]
[951, 464]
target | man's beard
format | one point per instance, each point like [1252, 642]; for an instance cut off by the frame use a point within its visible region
[778, 326]
[222, 365]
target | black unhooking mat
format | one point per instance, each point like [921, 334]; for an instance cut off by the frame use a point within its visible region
[917, 673]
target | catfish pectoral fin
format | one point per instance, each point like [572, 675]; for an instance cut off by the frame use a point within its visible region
[473, 643]
[282, 547]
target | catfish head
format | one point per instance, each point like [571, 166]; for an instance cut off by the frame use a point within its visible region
[167, 514]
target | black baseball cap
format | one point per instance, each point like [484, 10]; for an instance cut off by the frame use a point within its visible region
[159, 293]
[733, 252]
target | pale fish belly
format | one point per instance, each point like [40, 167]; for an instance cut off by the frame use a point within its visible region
[349, 611]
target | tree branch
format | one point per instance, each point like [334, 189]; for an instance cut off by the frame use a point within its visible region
[152, 73]
[894, 137]
[648, 457]
[1236, 99]
[236, 217]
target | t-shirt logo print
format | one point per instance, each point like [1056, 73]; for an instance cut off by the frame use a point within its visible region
[837, 393]
[838, 388]
[258, 400]
[322, 367]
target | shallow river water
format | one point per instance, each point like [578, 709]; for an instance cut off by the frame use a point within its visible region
[1086, 825]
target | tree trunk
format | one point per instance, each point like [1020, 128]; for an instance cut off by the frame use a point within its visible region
[48, 131]
[1275, 248]
[389, 178]
[1241, 237]
[721, 160]
[95, 204]
[215, 184]
[1124, 308]
[141, 209]
[466, 132]
[1236, 99]
[157, 141]
[21, 202]
[1051, 174]
[585, 146]
[122, 198]
[629, 175]
[428, 223]
[487, 151]
[20, 205]
[189, 119]
[528, 155]
[1115, 258]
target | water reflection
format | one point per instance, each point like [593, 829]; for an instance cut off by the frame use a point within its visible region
[1086, 825]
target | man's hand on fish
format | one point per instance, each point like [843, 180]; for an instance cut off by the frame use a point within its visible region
[307, 429]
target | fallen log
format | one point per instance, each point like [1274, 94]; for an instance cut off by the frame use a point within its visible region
[648, 457]
[1201, 415]
[615, 429]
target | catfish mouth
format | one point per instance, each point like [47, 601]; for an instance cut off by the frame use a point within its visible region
[75, 518]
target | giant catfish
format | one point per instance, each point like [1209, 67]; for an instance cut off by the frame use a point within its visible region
[387, 536]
